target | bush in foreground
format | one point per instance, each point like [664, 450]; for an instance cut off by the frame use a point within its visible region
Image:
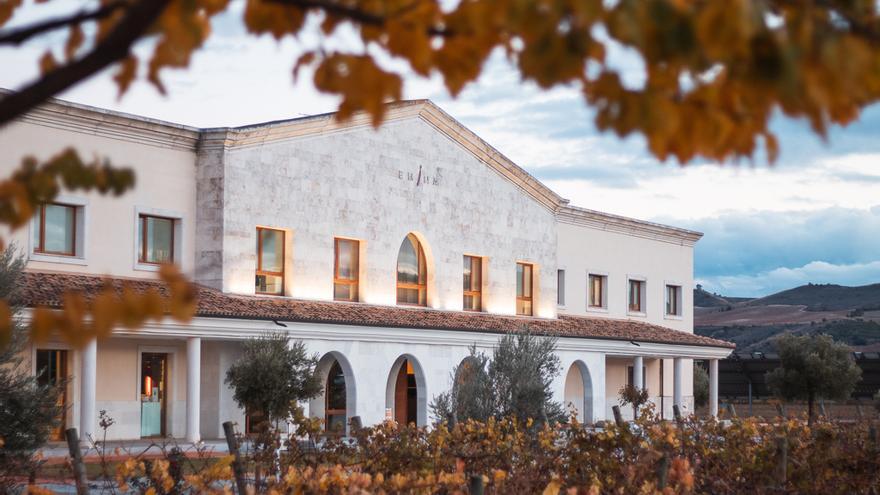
[647, 456]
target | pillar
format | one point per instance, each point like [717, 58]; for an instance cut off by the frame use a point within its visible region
[88, 387]
[638, 377]
[677, 371]
[193, 389]
[713, 387]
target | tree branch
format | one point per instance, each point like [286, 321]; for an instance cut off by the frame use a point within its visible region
[114, 47]
[354, 14]
[20, 35]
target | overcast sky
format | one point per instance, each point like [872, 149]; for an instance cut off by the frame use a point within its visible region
[812, 217]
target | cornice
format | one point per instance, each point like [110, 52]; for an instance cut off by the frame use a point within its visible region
[84, 119]
[629, 226]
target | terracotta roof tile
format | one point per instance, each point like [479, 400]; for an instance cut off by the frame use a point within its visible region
[47, 289]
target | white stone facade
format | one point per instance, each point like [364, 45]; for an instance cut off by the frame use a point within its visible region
[318, 179]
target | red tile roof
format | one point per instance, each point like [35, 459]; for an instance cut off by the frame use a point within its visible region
[47, 289]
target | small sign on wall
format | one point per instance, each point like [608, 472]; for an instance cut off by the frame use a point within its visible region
[421, 178]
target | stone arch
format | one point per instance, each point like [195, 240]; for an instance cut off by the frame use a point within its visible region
[318, 405]
[579, 391]
[406, 394]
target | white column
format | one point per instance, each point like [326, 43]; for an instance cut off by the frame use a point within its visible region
[193, 387]
[88, 385]
[713, 387]
[677, 371]
[638, 378]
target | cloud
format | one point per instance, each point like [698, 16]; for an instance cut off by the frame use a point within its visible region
[751, 253]
[769, 282]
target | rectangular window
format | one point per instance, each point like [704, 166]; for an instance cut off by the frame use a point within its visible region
[156, 239]
[560, 287]
[55, 231]
[473, 283]
[345, 270]
[673, 300]
[524, 287]
[270, 261]
[597, 291]
[636, 296]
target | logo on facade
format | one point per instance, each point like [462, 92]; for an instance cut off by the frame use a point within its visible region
[421, 178]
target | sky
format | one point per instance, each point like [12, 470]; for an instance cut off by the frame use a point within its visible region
[813, 216]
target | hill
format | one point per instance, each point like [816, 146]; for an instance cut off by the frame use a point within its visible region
[849, 314]
[825, 297]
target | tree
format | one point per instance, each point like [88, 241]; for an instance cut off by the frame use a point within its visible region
[813, 367]
[701, 386]
[516, 382]
[634, 396]
[28, 410]
[272, 375]
[714, 74]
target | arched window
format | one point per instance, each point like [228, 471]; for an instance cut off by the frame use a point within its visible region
[412, 273]
[334, 409]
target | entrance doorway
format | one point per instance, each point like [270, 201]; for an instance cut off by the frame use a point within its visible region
[154, 391]
[406, 395]
[335, 406]
[52, 370]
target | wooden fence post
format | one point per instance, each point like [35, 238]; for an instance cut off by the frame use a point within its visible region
[476, 484]
[237, 468]
[355, 424]
[618, 419]
[663, 471]
[676, 412]
[79, 469]
[859, 413]
[822, 411]
[781, 460]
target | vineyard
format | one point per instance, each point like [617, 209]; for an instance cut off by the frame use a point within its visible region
[692, 455]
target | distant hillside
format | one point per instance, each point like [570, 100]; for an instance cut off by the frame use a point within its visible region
[849, 314]
[825, 297]
[706, 299]
[857, 333]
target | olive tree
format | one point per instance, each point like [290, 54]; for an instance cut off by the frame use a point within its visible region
[515, 382]
[272, 375]
[29, 410]
[813, 367]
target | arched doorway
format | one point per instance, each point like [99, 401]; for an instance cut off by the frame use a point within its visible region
[579, 391]
[405, 396]
[412, 273]
[336, 405]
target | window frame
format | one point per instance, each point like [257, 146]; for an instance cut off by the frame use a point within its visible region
[258, 271]
[345, 281]
[642, 295]
[531, 297]
[473, 292]
[679, 300]
[422, 265]
[40, 246]
[603, 291]
[142, 232]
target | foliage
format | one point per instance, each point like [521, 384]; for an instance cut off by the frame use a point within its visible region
[28, 410]
[714, 72]
[633, 396]
[701, 385]
[813, 367]
[272, 375]
[516, 382]
[649, 456]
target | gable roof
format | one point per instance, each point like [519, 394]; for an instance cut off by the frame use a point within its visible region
[48, 289]
[427, 111]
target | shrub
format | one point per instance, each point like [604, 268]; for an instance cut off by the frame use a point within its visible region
[515, 382]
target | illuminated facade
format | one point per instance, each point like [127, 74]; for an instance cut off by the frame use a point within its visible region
[389, 252]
